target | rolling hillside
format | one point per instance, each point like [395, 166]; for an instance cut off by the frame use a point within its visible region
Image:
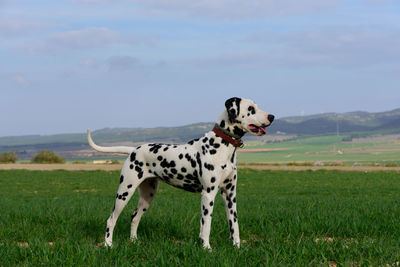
[349, 125]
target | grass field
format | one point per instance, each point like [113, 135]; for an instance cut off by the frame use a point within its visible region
[323, 148]
[286, 218]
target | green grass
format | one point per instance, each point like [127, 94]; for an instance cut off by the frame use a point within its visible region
[323, 148]
[286, 218]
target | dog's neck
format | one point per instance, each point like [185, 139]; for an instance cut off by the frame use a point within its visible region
[233, 129]
[229, 131]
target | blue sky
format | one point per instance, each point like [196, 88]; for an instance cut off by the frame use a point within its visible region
[67, 65]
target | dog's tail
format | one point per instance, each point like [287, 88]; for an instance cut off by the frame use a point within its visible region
[111, 149]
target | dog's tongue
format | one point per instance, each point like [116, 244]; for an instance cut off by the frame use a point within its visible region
[259, 130]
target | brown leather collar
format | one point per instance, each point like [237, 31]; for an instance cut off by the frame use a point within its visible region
[227, 138]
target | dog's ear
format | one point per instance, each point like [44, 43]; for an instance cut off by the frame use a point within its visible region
[233, 108]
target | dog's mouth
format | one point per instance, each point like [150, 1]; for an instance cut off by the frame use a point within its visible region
[258, 130]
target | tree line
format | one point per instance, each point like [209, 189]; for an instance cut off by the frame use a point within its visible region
[43, 156]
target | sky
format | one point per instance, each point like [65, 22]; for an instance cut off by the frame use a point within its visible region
[69, 65]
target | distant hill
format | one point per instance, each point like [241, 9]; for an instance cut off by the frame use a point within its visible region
[358, 123]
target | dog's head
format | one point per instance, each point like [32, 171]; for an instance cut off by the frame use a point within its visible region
[245, 114]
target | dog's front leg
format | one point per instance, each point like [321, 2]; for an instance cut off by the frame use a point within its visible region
[207, 204]
[228, 193]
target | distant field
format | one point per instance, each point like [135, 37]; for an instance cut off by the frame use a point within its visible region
[308, 218]
[327, 148]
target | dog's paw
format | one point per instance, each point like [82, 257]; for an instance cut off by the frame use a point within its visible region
[207, 247]
[133, 239]
[236, 243]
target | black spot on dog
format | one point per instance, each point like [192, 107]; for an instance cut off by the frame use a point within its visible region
[238, 131]
[252, 110]
[226, 143]
[133, 215]
[222, 124]
[138, 169]
[233, 156]
[212, 180]
[199, 163]
[159, 158]
[212, 141]
[180, 156]
[192, 141]
[183, 169]
[133, 156]
[129, 186]
[121, 179]
[209, 167]
[154, 148]
[193, 163]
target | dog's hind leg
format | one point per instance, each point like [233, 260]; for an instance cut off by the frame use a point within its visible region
[128, 183]
[147, 191]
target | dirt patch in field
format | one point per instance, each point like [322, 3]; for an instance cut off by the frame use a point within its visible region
[68, 167]
[262, 149]
[315, 168]
[117, 167]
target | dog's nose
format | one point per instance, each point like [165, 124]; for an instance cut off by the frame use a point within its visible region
[271, 118]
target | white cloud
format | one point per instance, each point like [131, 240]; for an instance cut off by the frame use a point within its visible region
[19, 79]
[90, 63]
[378, 1]
[344, 46]
[87, 38]
[122, 63]
[17, 27]
[228, 9]
[239, 58]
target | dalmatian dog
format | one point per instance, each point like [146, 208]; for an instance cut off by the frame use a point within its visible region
[203, 165]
